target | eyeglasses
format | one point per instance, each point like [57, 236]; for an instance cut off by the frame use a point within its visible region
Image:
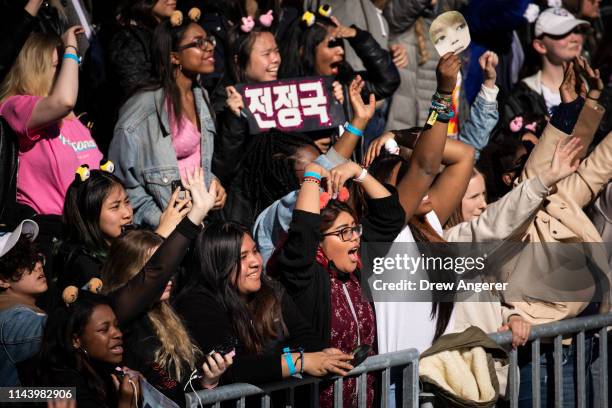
[347, 233]
[201, 43]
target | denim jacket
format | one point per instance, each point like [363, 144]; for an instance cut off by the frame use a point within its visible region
[143, 154]
[484, 115]
[21, 331]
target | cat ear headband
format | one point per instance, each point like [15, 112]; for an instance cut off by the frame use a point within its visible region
[325, 197]
[71, 293]
[176, 18]
[309, 18]
[82, 172]
[248, 23]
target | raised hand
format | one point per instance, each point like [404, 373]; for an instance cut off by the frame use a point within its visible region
[568, 86]
[376, 146]
[342, 31]
[399, 55]
[564, 162]
[340, 174]
[234, 100]
[202, 200]
[488, 62]
[361, 111]
[446, 73]
[174, 213]
[594, 85]
[69, 36]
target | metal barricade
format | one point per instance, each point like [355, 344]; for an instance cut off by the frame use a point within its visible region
[406, 360]
[576, 327]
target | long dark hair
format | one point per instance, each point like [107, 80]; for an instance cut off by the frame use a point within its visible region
[256, 320]
[268, 168]
[299, 49]
[497, 159]
[241, 46]
[137, 11]
[82, 208]
[166, 39]
[423, 233]
[58, 353]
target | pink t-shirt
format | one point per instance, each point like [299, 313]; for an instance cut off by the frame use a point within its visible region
[186, 142]
[48, 156]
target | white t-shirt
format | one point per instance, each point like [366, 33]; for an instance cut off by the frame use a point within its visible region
[552, 98]
[404, 325]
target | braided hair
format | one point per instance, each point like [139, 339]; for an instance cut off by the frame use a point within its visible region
[269, 167]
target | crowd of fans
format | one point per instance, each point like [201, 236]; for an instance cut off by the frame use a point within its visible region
[150, 234]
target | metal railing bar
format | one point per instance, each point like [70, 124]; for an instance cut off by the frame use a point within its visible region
[265, 401]
[562, 327]
[603, 368]
[386, 384]
[338, 391]
[558, 357]
[362, 388]
[513, 378]
[535, 373]
[581, 371]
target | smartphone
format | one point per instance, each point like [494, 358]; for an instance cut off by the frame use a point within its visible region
[360, 354]
[177, 184]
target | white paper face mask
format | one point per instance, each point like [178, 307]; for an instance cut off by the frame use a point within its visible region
[449, 32]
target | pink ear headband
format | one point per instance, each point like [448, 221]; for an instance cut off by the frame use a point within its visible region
[324, 197]
[248, 23]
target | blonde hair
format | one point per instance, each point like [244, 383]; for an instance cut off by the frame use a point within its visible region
[419, 29]
[127, 255]
[457, 216]
[31, 72]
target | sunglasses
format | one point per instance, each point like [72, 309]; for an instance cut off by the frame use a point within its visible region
[347, 233]
[335, 42]
[576, 30]
[201, 43]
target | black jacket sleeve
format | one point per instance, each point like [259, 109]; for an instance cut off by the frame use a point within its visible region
[305, 280]
[140, 293]
[301, 334]
[230, 146]
[381, 75]
[297, 261]
[211, 328]
[385, 218]
[130, 58]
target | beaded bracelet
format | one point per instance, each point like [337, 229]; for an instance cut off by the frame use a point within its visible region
[311, 180]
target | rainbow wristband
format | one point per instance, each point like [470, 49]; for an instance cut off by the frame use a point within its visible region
[350, 128]
[73, 57]
[290, 365]
[313, 175]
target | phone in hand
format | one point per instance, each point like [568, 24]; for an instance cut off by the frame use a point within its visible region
[177, 184]
[360, 354]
